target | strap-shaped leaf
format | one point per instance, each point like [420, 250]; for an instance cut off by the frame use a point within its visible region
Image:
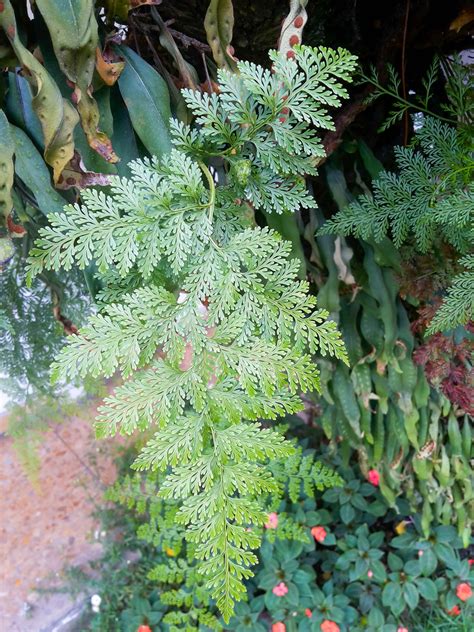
[147, 98]
[73, 29]
[57, 116]
[7, 149]
[219, 24]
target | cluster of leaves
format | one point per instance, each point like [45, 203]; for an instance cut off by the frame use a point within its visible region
[431, 199]
[181, 599]
[219, 332]
[70, 88]
[382, 406]
[409, 422]
[347, 561]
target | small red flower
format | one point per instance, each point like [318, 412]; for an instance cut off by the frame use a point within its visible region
[308, 613]
[370, 574]
[373, 477]
[279, 627]
[402, 629]
[464, 591]
[470, 562]
[319, 533]
[144, 628]
[455, 611]
[329, 626]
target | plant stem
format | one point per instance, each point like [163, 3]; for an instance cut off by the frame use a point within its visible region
[212, 189]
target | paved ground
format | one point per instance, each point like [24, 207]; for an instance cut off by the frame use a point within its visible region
[46, 526]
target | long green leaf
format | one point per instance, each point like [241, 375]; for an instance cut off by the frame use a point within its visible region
[147, 98]
[19, 107]
[31, 169]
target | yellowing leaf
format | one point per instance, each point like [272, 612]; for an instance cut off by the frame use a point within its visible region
[73, 29]
[219, 24]
[465, 17]
[401, 527]
[108, 66]
[57, 116]
[7, 148]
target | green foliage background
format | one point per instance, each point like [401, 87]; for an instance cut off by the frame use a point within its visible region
[78, 104]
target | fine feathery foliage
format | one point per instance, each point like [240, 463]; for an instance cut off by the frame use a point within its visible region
[430, 199]
[458, 306]
[200, 308]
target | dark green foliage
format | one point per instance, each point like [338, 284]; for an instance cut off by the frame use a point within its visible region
[364, 574]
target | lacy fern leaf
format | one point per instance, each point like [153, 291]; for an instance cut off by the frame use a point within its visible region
[432, 199]
[458, 305]
[201, 309]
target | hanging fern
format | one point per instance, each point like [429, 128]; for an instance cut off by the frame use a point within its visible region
[458, 306]
[217, 332]
[432, 199]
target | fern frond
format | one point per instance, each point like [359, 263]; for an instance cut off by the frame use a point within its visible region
[458, 305]
[435, 177]
[202, 310]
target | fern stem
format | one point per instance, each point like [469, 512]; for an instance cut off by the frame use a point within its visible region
[212, 189]
[405, 102]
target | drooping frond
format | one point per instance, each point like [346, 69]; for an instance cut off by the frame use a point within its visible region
[458, 305]
[201, 310]
[431, 197]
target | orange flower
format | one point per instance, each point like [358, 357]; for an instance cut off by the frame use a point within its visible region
[329, 626]
[464, 591]
[455, 610]
[279, 627]
[308, 613]
[319, 533]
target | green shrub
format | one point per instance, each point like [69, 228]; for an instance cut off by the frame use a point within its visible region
[348, 560]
